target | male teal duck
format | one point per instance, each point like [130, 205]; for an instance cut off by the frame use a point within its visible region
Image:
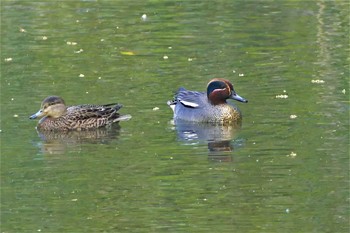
[207, 107]
[56, 116]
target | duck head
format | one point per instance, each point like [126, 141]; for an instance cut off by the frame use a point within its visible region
[52, 106]
[219, 90]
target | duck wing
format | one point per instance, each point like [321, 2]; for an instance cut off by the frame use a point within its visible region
[108, 112]
[189, 99]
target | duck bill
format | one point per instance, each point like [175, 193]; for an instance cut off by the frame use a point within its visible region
[238, 98]
[36, 115]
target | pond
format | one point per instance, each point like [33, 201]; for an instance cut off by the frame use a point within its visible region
[285, 169]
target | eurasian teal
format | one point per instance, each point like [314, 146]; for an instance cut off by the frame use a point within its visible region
[207, 107]
[56, 116]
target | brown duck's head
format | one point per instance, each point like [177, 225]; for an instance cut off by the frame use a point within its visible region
[52, 106]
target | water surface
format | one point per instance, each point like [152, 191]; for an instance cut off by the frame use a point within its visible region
[286, 169]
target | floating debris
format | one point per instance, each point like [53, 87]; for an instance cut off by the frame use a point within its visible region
[71, 43]
[293, 116]
[22, 30]
[79, 51]
[281, 96]
[81, 75]
[16, 115]
[241, 75]
[190, 59]
[170, 47]
[343, 91]
[155, 109]
[44, 38]
[292, 154]
[8, 59]
[318, 81]
[144, 17]
[128, 53]
[165, 57]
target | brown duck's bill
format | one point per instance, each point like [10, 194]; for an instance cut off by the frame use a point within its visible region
[36, 115]
[238, 98]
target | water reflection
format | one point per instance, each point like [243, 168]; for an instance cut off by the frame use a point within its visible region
[217, 137]
[59, 142]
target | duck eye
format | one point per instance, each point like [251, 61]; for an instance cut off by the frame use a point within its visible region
[46, 105]
[50, 104]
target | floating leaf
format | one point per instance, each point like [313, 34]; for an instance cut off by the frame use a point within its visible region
[128, 53]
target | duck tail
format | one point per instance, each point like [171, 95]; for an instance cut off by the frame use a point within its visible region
[122, 118]
[114, 106]
[117, 106]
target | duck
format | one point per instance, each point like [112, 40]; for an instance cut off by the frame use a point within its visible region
[56, 116]
[212, 106]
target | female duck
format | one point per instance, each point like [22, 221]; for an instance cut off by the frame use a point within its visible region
[56, 116]
[207, 107]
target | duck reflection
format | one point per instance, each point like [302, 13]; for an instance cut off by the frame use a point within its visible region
[217, 137]
[59, 142]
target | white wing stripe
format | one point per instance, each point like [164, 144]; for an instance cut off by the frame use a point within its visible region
[190, 104]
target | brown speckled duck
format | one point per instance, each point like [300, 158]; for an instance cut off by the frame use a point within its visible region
[56, 116]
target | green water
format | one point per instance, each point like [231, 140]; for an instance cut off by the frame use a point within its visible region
[285, 170]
